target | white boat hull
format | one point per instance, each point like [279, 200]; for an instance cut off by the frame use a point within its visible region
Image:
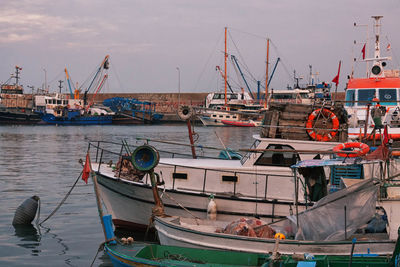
[130, 204]
[240, 189]
[174, 234]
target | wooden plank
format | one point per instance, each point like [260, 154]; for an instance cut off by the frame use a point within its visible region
[299, 108]
[292, 130]
[297, 123]
[296, 136]
[294, 116]
[274, 122]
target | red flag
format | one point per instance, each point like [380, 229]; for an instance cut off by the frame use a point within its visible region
[363, 51]
[385, 135]
[388, 47]
[336, 79]
[86, 169]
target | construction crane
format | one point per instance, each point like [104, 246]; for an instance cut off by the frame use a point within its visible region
[99, 81]
[69, 83]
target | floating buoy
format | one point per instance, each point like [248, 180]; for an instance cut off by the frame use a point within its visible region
[212, 209]
[280, 236]
[26, 212]
[130, 240]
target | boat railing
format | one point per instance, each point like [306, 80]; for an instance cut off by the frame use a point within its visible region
[104, 155]
[108, 150]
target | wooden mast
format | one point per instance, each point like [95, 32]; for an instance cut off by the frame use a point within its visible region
[225, 59]
[266, 76]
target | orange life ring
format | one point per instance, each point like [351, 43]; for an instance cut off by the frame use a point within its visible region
[320, 137]
[362, 149]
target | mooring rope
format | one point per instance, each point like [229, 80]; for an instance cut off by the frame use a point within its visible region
[62, 201]
[101, 247]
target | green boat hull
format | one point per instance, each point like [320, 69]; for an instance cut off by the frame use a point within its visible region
[139, 254]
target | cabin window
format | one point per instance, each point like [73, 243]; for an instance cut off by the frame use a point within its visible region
[221, 116]
[228, 117]
[214, 116]
[234, 117]
[179, 175]
[283, 159]
[350, 98]
[232, 96]
[304, 95]
[229, 178]
[283, 96]
[388, 95]
[365, 96]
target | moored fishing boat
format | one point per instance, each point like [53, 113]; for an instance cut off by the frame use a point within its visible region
[63, 110]
[261, 184]
[249, 123]
[124, 253]
[15, 106]
[132, 111]
[155, 255]
[339, 217]
[379, 91]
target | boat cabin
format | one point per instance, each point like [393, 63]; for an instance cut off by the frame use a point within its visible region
[361, 92]
[299, 96]
[217, 100]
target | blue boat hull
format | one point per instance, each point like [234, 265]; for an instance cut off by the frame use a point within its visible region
[77, 120]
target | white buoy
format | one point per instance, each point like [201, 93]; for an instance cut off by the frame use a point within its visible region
[212, 209]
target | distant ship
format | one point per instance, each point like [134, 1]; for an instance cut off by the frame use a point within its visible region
[132, 111]
[15, 106]
[62, 109]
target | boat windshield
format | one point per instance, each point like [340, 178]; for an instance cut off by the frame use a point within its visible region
[253, 146]
[386, 95]
[275, 158]
[365, 96]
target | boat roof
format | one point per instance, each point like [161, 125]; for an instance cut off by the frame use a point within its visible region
[202, 163]
[292, 141]
[290, 91]
[370, 83]
[332, 162]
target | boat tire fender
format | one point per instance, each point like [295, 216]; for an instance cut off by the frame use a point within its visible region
[185, 112]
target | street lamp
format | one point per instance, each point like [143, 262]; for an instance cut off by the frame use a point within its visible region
[179, 85]
[45, 79]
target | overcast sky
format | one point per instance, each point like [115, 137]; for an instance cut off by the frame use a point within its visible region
[147, 40]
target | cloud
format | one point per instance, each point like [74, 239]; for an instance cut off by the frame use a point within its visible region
[18, 26]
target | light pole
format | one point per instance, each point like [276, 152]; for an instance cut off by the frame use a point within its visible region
[45, 79]
[179, 85]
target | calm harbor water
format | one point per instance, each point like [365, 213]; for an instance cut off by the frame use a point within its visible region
[43, 161]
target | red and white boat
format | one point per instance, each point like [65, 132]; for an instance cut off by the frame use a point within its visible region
[249, 123]
[363, 94]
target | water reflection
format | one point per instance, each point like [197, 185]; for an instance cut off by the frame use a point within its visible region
[29, 237]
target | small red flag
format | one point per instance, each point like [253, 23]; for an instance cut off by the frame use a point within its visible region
[336, 79]
[86, 169]
[388, 47]
[385, 135]
[363, 51]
